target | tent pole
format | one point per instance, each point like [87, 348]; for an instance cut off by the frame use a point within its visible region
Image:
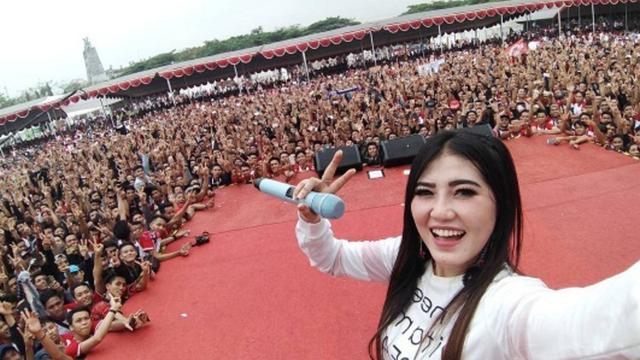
[373, 49]
[626, 18]
[104, 112]
[170, 92]
[501, 32]
[50, 122]
[440, 39]
[560, 21]
[306, 68]
[235, 71]
[422, 42]
[579, 18]
[593, 19]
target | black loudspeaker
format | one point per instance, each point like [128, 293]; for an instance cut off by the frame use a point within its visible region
[401, 151]
[350, 159]
[484, 129]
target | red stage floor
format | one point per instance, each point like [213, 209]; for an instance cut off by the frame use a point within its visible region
[251, 294]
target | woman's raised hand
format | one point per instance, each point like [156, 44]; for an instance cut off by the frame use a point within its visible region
[327, 185]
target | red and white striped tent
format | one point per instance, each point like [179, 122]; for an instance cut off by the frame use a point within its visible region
[344, 40]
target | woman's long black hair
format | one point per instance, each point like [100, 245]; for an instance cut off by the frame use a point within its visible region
[493, 160]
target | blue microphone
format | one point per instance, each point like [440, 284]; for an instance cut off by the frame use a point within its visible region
[324, 204]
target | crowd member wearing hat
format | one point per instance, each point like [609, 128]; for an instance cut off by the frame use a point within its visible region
[9, 352]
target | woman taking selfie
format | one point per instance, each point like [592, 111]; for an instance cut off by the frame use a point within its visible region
[454, 290]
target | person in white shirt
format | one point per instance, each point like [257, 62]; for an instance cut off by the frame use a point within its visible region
[454, 287]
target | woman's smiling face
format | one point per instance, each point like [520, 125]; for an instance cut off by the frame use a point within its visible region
[454, 211]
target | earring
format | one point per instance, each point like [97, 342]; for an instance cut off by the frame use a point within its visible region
[422, 253]
[472, 273]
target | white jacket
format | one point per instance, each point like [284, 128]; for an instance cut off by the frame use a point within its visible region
[517, 318]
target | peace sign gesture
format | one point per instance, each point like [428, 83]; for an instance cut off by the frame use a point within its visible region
[16, 261]
[327, 185]
[145, 266]
[142, 196]
[83, 248]
[97, 247]
[15, 250]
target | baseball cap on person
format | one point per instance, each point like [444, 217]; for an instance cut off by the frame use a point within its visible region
[73, 268]
[454, 104]
[5, 349]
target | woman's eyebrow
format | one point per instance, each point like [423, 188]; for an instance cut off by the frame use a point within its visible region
[451, 183]
[463, 182]
[425, 184]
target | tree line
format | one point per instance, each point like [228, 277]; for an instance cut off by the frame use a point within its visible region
[256, 37]
[438, 5]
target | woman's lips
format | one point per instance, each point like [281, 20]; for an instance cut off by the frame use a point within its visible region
[447, 239]
[446, 243]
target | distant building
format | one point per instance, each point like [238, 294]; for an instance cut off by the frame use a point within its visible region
[95, 71]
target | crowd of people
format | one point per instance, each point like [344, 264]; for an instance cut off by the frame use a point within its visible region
[89, 213]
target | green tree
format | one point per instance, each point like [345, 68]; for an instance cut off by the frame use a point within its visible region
[150, 63]
[437, 5]
[256, 37]
[39, 91]
[44, 90]
[330, 23]
[6, 101]
[73, 85]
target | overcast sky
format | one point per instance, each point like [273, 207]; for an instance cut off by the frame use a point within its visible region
[42, 40]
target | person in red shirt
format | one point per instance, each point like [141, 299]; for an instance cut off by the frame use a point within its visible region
[278, 170]
[153, 241]
[86, 334]
[84, 296]
[302, 164]
[245, 175]
[544, 124]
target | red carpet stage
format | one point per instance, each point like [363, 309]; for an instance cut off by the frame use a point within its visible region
[251, 294]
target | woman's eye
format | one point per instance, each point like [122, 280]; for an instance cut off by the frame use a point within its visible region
[423, 192]
[466, 192]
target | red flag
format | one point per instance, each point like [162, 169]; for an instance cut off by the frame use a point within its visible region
[516, 49]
